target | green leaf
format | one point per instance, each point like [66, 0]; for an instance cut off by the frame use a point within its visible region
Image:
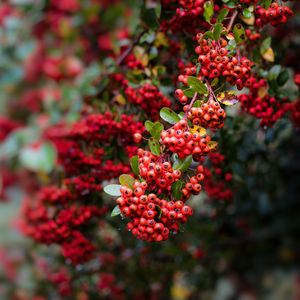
[183, 164]
[39, 158]
[113, 190]
[197, 85]
[134, 163]
[176, 188]
[267, 3]
[149, 125]
[116, 211]
[230, 4]
[222, 14]
[274, 72]
[265, 45]
[156, 130]
[239, 33]
[149, 17]
[283, 77]
[158, 209]
[189, 92]
[126, 180]
[154, 146]
[197, 103]
[217, 31]
[169, 115]
[208, 34]
[215, 82]
[181, 115]
[247, 13]
[208, 11]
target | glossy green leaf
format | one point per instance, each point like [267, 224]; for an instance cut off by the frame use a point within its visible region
[222, 15]
[154, 146]
[156, 130]
[116, 211]
[208, 11]
[134, 163]
[217, 31]
[247, 13]
[149, 125]
[197, 85]
[176, 188]
[169, 115]
[239, 33]
[183, 164]
[113, 190]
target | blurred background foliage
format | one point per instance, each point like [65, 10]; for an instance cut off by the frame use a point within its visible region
[243, 248]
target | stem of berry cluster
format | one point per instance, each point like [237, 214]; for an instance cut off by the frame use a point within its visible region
[232, 19]
[129, 49]
[190, 106]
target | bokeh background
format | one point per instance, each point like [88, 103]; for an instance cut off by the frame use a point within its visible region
[63, 61]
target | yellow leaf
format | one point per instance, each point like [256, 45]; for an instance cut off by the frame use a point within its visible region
[180, 292]
[161, 40]
[144, 60]
[212, 145]
[158, 70]
[138, 52]
[227, 98]
[262, 91]
[269, 55]
[120, 99]
[249, 21]
[198, 129]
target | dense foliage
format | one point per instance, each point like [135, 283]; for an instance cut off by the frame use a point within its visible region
[155, 144]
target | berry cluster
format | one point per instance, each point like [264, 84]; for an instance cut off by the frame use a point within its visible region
[193, 186]
[59, 68]
[217, 178]
[252, 35]
[156, 173]
[152, 218]
[188, 15]
[275, 14]
[215, 62]
[249, 2]
[295, 113]
[78, 249]
[148, 97]
[180, 140]
[209, 115]
[261, 105]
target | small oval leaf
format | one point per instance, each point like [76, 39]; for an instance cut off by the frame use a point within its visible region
[176, 188]
[183, 164]
[116, 211]
[154, 146]
[113, 190]
[126, 180]
[134, 163]
[197, 85]
[169, 115]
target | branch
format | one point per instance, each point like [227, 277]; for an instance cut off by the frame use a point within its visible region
[232, 19]
[128, 50]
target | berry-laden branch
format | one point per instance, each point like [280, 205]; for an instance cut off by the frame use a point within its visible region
[155, 200]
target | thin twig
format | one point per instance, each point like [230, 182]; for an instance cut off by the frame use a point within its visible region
[232, 19]
[128, 50]
[190, 106]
